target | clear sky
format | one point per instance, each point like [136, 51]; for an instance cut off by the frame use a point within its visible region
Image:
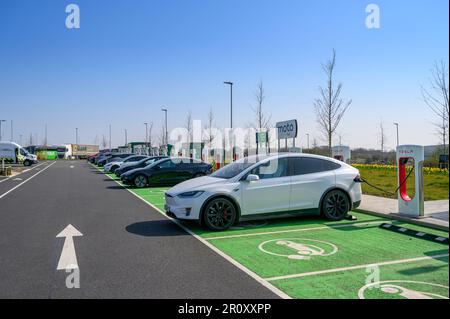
[130, 58]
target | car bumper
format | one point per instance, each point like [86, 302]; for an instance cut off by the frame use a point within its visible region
[183, 208]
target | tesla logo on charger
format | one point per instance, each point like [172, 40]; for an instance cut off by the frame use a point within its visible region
[298, 248]
[404, 289]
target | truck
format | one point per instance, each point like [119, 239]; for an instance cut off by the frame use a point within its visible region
[80, 151]
[11, 152]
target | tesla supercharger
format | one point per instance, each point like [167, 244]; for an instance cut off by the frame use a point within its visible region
[410, 156]
[341, 153]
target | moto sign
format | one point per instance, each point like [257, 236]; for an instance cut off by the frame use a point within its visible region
[287, 129]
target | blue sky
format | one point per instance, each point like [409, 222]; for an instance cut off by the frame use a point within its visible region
[130, 58]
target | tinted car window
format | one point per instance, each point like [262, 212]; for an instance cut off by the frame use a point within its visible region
[309, 165]
[167, 164]
[272, 169]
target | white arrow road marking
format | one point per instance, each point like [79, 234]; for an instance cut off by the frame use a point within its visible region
[71, 166]
[68, 259]
[17, 179]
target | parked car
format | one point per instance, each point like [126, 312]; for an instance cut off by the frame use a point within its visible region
[267, 186]
[101, 156]
[112, 158]
[125, 167]
[112, 166]
[168, 171]
[11, 152]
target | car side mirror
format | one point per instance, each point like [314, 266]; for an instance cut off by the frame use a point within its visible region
[252, 178]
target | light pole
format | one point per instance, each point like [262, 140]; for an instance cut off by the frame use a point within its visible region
[231, 113]
[396, 124]
[307, 139]
[126, 137]
[110, 137]
[76, 136]
[167, 137]
[1, 128]
[146, 133]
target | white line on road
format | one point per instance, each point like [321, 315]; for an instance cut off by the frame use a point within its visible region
[297, 230]
[68, 259]
[327, 271]
[18, 185]
[24, 171]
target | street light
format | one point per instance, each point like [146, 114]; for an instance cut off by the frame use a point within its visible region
[231, 102]
[76, 136]
[231, 113]
[1, 128]
[396, 124]
[126, 137]
[307, 138]
[146, 133]
[167, 138]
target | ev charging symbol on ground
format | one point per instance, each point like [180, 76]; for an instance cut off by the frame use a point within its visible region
[404, 289]
[298, 248]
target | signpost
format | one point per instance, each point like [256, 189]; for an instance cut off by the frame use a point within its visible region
[286, 130]
[261, 138]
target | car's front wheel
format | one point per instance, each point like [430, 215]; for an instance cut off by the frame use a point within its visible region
[219, 214]
[27, 163]
[140, 181]
[335, 205]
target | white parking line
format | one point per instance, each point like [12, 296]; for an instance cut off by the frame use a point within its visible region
[296, 230]
[18, 185]
[259, 279]
[24, 171]
[327, 271]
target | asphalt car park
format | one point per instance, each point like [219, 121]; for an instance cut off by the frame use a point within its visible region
[310, 257]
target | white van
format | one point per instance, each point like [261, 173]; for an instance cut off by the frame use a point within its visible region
[14, 153]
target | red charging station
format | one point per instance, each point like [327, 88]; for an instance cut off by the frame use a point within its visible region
[410, 177]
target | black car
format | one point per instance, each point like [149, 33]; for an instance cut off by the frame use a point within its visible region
[167, 172]
[141, 164]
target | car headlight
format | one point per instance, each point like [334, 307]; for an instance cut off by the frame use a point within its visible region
[192, 194]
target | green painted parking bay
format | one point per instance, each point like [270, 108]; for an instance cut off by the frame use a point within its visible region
[281, 254]
[426, 279]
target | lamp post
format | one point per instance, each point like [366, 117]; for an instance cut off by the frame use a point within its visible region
[76, 136]
[146, 133]
[396, 124]
[166, 129]
[231, 114]
[1, 128]
[126, 137]
[307, 139]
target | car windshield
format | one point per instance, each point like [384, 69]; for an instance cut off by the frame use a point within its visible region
[231, 170]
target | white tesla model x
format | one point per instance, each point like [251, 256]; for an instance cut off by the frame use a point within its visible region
[276, 185]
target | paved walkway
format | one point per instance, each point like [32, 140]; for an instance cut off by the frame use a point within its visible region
[436, 212]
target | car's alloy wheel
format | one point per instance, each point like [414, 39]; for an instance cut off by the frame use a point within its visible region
[335, 205]
[140, 181]
[27, 163]
[219, 214]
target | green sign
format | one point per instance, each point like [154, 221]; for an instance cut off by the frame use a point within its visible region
[261, 137]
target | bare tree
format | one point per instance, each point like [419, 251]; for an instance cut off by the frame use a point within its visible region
[209, 128]
[330, 107]
[150, 127]
[262, 121]
[436, 97]
[188, 127]
[104, 142]
[382, 136]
